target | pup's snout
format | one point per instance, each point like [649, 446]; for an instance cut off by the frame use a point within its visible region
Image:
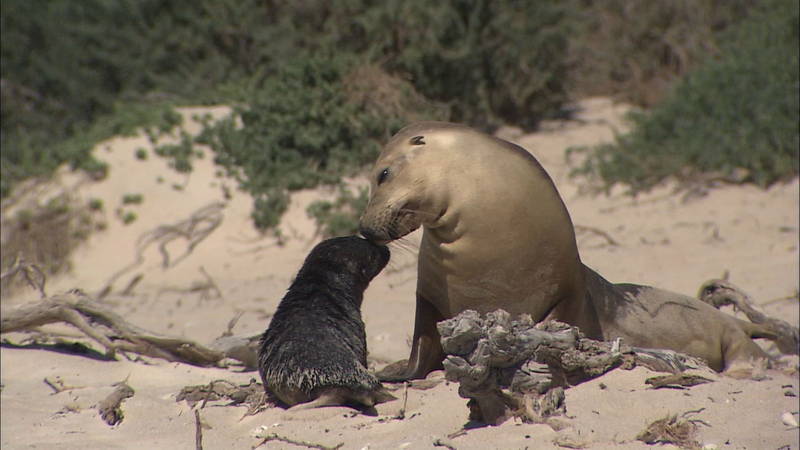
[368, 233]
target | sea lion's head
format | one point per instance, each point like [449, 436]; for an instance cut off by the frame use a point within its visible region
[407, 183]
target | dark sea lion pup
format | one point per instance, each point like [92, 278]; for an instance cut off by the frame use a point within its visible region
[315, 349]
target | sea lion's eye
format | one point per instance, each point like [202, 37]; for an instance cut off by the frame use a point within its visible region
[417, 140]
[382, 176]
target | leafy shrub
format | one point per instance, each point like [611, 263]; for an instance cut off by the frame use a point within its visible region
[737, 112]
[490, 61]
[75, 73]
[636, 50]
[45, 235]
[33, 152]
[96, 204]
[339, 217]
[308, 125]
[132, 199]
[180, 154]
[127, 217]
[317, 82]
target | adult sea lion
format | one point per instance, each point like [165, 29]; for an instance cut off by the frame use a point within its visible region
[497, 235]
[315, 348]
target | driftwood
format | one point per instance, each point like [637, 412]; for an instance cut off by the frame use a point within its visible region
[676, 381]
[673, 429]
[31, 272]
[517, 368]
[193, 230]
[114, 333]
[241, 348]
[719, 293]
[58, 386]
[198, 430]
[110, 408]
[251, 395]
[275, 437]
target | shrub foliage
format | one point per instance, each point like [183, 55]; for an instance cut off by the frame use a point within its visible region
[317, 83]
[739, 111]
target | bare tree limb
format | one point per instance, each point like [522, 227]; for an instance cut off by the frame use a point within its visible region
[110, 408]
[32, 273]
[586, 229]
[114, 333]
[194, 230]
[198, 431]
[513, 367]
[275, 437]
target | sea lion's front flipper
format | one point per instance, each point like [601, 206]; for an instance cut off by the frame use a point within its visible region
[426, 347]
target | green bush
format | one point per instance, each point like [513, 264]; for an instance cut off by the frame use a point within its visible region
[489, 61]
[339, 217]
[44, 235]
[635, 50]
[180, 154]
[739, 111]
[68, 65]
[33, 152]
[132, 199]
[318, 84]
[127, 217]
[310, 124]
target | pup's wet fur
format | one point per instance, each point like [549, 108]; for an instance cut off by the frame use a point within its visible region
[314, 352]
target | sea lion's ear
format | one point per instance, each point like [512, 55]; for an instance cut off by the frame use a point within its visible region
[417, 140]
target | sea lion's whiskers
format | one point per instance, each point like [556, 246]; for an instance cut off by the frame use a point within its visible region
[404, 245]
[404, 255]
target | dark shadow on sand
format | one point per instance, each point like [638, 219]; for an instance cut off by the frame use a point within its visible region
[66, 348]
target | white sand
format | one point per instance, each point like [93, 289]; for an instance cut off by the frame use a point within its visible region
[663, 241]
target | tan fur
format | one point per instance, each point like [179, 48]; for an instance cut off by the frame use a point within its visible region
[496, 234]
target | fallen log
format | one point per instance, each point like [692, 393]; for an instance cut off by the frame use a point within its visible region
[518, 368]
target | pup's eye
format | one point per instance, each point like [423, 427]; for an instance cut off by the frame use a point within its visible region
[417, 140]
[382, 176]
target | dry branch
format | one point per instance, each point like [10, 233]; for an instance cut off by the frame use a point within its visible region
[58, 386]
[32, 273]
[114, 333]
[720, 292]
[198, 430]
[579, 229]
[251, 395]
[517, 368]
[275, 437]
[194, 229]
[443, 443]
[110, 408]
[671, 430]
[676, 381]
